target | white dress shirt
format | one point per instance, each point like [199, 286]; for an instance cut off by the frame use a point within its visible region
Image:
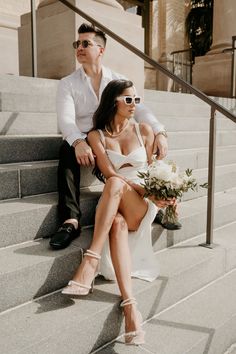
[77, 102]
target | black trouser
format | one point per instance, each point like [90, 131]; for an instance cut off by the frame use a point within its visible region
[68, 184]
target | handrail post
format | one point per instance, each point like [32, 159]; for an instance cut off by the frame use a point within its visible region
[211, 181]
[233, 69]
[33, 39]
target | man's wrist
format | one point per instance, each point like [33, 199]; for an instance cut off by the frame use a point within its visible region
[162, 132]
[77, 142]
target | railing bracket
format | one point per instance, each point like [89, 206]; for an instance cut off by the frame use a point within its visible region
[208, 245]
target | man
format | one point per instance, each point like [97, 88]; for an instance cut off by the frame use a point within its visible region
[77, 99]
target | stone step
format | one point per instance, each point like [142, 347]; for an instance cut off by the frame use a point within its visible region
[31, 123]
[36, 216]
[29, 148]
[28, 85]
[225, 178]
[28, 123]
[26, 179]
[193, 217]
[194, 139]
[20, 102]
[178, 109]
[46, 147]
[176, 97]
[198, 157]
[58, 324]
[199, 123]
[201, 323]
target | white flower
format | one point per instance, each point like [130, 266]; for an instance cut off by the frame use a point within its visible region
[176, 180]
[160, 170]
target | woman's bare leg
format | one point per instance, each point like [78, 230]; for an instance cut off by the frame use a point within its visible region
[121, 259]
[117, 195]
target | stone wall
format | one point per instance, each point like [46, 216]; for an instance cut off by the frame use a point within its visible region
[10, 12]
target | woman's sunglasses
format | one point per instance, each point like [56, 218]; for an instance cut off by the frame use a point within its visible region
[129, 99]
[85, 44]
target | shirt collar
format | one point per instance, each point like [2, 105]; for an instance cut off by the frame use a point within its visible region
[106, 73]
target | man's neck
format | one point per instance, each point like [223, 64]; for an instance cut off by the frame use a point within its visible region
[93, 70]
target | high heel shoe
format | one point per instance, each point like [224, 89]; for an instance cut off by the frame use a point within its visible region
[133, 337]
[76, 288]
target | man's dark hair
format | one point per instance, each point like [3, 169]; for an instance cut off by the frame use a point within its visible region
[86, 28]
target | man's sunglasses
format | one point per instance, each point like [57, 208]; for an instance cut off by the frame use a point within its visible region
[129, 99]
[85, 44]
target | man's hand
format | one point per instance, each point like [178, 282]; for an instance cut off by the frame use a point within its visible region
[160, 146]
[84, 154]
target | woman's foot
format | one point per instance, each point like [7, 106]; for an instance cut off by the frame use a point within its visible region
[134, 334]
[82, 282]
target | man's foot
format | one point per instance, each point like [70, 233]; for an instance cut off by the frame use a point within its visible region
[63, 236]
[166, 225]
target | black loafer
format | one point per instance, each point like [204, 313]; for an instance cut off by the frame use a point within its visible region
[166, 225]
[63, 236]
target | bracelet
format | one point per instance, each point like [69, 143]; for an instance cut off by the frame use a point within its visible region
[77, 142]
[163, 132]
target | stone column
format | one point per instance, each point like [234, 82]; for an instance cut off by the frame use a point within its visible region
[212, 72]
[168, 34]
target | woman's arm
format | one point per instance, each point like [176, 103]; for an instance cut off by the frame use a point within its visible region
[148, 139]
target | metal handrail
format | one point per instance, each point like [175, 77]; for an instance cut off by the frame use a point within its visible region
[33, 39]
[214, 107]
[185, 64]
[233, 68]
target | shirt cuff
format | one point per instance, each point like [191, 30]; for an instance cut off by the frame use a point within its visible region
[71, 138]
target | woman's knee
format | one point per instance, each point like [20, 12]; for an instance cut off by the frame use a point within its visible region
[119, 224]
[115, 186]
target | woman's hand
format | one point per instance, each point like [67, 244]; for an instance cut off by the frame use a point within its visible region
[163, 203]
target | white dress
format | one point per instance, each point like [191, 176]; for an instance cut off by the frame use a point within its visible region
[144, 262]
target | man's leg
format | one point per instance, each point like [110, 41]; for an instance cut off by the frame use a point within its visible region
[69, 198]
[168, 225]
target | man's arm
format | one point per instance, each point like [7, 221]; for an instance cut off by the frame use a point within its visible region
[66, 113]
[68, 127]
[160, 146]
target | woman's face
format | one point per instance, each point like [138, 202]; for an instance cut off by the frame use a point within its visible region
[123, 109]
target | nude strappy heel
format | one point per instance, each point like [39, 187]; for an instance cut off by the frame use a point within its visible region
[76, 288]
[134, 337]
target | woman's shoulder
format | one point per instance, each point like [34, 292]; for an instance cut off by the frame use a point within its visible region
[93, 134]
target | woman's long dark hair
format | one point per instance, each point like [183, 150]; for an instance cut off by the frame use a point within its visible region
[106, 111]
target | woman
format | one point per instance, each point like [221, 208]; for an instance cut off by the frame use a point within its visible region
[123, 218]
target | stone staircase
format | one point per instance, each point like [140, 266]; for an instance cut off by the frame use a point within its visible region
[190, 308]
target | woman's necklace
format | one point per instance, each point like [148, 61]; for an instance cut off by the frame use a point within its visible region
[117, 134]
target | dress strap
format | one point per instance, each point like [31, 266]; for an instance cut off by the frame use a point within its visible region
[102, 138]
[139, 134]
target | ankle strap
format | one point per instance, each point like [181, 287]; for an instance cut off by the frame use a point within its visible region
[92, 254]
[129, 301]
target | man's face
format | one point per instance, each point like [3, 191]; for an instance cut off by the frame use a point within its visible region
[93, 53]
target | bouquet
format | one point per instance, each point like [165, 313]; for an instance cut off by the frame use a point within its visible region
[163, 180]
